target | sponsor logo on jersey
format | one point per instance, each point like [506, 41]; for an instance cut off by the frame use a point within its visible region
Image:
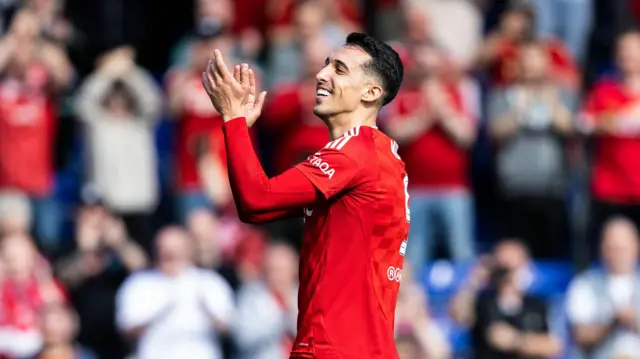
[394, 274]
[403, 248]
[322, 165]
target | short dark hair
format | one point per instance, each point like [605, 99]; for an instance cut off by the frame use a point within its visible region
[385, 63]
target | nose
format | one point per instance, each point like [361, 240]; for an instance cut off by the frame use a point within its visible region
[323, 75]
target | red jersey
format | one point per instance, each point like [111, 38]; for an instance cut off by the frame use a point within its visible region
[353, 248]
[615, 175]
[27, 129]
[198, 122]
[433, 159]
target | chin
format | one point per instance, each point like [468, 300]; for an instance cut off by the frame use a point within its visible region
[321, 112]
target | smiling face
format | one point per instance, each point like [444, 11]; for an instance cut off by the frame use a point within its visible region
[344, 83]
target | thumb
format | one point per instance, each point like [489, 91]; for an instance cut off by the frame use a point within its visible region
[261, 99]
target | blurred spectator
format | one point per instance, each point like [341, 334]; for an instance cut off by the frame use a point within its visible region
[509, 254]
[15, 213]
[510, 323]
[567, 20]
[417, 27]
[59, 326]
[611, 115]
[214, 244]
[434, 127]
[53, 26]
[219, 13]
[311, 18]
[120, 104]
[462, 41]
[265, 325]
[414, 322]
[289, 113]
[103, 258]
[602, 303]
[499, 54]
[34, 72]
[200, 141]
[175, 309]
[409, 348]
[27, 286]
[528, 122]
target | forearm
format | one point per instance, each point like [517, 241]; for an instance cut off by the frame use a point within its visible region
[588, 336]
[146, 92]
[462, 307]
[406, 129]
[88, 103]
[253, 191]
[132, 256]
[562, 120]
[459, 127]
[71, 270]
[504, 126]
[539, 345]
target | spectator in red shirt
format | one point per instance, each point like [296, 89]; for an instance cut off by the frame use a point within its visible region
[32, 72]
[434, 125]
[199, 124]
[26, 287]
[500, 52]
[289, 114]
[611, 114]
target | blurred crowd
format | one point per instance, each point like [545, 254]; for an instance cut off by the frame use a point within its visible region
[518, 121]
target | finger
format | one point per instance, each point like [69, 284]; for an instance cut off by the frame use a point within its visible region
[257, 108]
[244, 78]
[252, 82]
[213, 73]
[223, 72]
[236, 73]
[206, 82]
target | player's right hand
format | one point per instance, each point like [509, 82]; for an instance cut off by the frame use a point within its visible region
[254, 104]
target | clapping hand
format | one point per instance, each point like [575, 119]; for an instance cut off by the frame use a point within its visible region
[233, 95]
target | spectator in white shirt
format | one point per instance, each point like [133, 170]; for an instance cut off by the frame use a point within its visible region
[266, 322]
[603, 304]
[175, 310]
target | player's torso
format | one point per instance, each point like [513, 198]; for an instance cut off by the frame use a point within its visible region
[351, 260]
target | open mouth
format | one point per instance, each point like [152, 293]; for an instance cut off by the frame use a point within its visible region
[322, 92]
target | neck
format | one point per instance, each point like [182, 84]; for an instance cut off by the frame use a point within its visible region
[341, 123]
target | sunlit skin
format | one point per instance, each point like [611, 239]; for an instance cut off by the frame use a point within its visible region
[354, 96]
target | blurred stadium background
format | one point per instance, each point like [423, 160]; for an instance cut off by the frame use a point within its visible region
[519, 122]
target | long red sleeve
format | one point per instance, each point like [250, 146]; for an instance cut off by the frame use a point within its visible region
[257, 197]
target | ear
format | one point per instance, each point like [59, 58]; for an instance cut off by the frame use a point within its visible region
[372, 93]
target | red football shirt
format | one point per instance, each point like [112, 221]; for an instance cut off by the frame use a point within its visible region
[353, 248]
[27, 129]
[433, 159]
[616, 174]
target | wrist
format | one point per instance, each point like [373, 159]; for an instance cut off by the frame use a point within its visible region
[228, 118]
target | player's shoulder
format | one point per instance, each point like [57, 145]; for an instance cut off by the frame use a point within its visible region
[356, 142]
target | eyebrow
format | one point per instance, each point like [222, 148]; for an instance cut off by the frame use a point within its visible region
[337, 63]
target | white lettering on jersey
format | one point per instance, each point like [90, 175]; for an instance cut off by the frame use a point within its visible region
[308, 212]
[406, 198]
[342, 140]
[403, 248]
[394, 149]
[322, 165]
[394, 274]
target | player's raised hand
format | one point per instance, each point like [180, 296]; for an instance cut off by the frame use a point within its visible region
[227, 94]
[253, 108]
